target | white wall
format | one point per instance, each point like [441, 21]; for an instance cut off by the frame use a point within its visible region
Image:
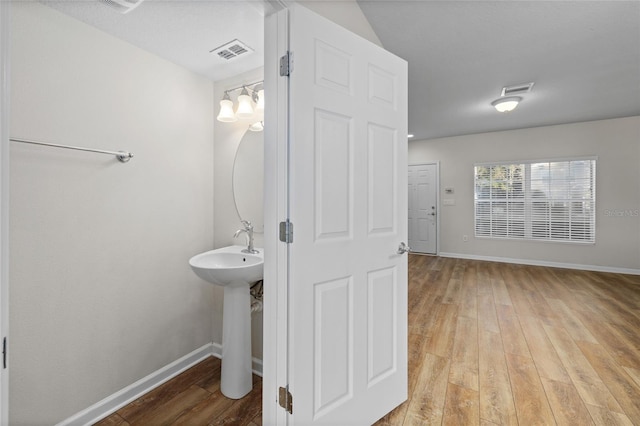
[227, 222]
[101, 291]
[616, 143]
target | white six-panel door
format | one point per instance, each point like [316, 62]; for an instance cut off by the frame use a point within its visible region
[423, 208]
[348, 203]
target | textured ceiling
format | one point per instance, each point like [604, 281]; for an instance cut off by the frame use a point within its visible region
[584, 57]
[181, 31]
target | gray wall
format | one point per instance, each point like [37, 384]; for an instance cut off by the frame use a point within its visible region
[100, 290]
[616, 143]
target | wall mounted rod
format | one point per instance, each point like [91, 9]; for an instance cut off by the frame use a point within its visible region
[255, 83]
[122, 156]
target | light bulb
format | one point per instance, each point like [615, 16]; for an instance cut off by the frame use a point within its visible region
[226, 114]
[258, 126]
[245, 109]
[260, 103]
[506, 104]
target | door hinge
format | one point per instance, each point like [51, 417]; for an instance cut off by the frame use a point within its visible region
[286, 232]
[4, 353]
[285, 399]
[286, 64]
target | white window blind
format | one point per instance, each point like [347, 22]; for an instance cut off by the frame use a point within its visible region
[542, 200]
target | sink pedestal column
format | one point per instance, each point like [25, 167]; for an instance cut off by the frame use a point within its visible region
[236, 380]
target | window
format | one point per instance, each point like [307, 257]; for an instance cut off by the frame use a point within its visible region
[542, 200]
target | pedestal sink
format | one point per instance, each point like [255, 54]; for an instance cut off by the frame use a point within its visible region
[235, 271]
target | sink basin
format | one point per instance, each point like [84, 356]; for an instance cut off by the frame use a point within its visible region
[235, 271]
[228, 266]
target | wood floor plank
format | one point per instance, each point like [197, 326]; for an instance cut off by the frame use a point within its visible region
[609, 334]
[454, 286]
[113, 420]
[242, 411]
[415, 357]
[512, 338]
[621, 386]
[210, 379]
[496, 399]
[542, 351]
[440, 341]
[483, 279]
[165, 392]
[461, 406]
[634, 374]
[487, 316]
[500, 292]
[517, 294]
[173, 409]
[530, 399]
[425, 316]
[604, 416]
[570, 321]
[566, 404]
[591, 388]
[537, 302]
[469, 299]
[205, 411]
[426, 405]
[464, 357]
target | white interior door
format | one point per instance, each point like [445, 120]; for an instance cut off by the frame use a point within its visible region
[4, 206]
[348, 203]
[423, 208]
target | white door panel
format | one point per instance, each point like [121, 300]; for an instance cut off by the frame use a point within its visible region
[348, 204]
[423, 208]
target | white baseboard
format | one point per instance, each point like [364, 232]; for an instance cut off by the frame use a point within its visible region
[113, 403]
[578, 266]
[256, 364]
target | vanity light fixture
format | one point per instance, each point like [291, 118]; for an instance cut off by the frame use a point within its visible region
[245, 109]
[260, 101]
[250, 107]
[506, 104]
[226, 114]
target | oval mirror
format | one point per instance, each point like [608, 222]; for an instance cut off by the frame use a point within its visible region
[248, 169]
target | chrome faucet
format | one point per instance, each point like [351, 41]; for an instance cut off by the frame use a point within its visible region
[247, 229]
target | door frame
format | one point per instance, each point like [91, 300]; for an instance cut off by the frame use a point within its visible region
[437, 164]
[276, 209]
[5, 37]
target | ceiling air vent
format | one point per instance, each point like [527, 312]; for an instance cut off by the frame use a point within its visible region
[232, 50]
[123, 6]
[516, 89]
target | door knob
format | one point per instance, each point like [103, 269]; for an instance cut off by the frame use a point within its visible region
[403, 248]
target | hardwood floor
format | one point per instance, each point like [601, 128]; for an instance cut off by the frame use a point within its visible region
[489, 344]
[192, 398]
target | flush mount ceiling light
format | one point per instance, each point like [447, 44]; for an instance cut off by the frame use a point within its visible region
[508, 100]
[250, 107]
[506, 104]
